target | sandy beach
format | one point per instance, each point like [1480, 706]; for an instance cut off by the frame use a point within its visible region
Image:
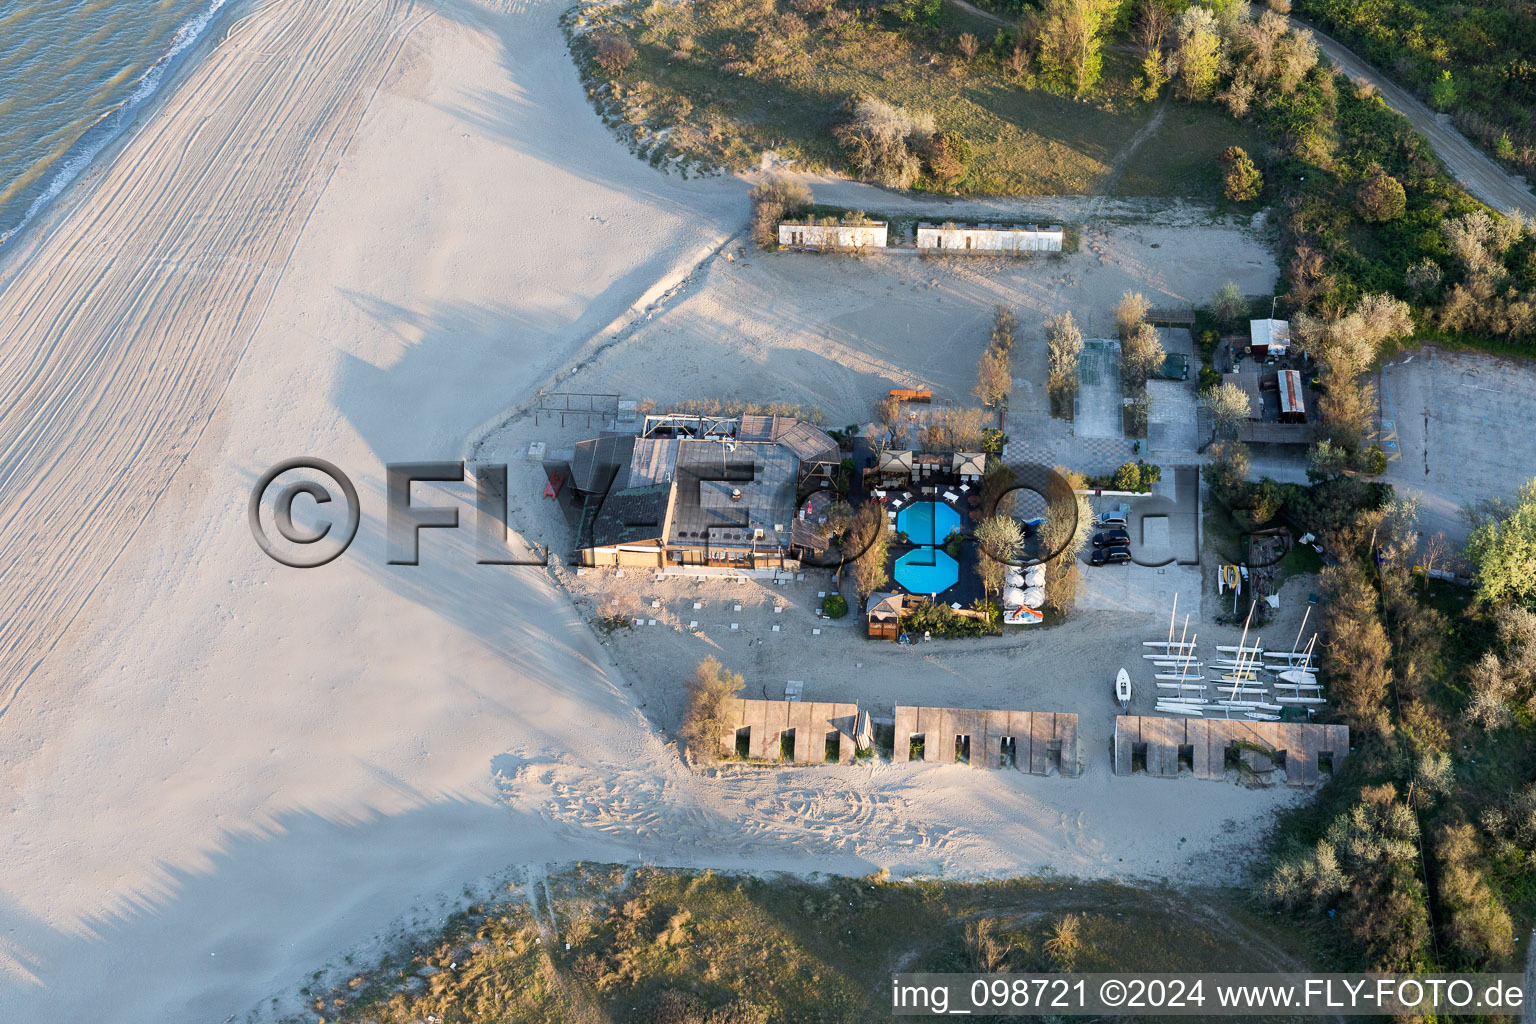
[367, 231]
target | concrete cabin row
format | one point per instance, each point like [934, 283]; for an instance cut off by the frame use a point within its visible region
[1038, 742]
[1307, 752]
[981, 240]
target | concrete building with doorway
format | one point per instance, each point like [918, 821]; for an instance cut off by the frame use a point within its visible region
[989, 239]
[840, 236]
[1269, 338]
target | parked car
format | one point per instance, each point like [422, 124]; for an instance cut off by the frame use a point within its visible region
[1110, 519]
[1110, 556]
[1112, 538]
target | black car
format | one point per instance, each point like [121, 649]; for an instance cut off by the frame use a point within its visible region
[1111, 538]
[1110, 556]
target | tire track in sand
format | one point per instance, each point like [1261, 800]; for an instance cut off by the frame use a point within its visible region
[124, 314]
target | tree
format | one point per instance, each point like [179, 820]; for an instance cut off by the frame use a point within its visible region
[1136, 476]
[1198, 53]
[1130, 311]
[867, 541]
[946, 155]
[1228, 407]
[1325, 461]
[994, 378]
[1064, 343]
[1357, 655]
[994, 374]
[774, 199]
[1239, 93]
[1227, 475]
[1063, 535]
[1424, 277]
[1436, 555]
[1295, 55]
[709, 693]
[953, 429]
[1151, 31]
[997, 488]
[614, 53]
[1379, 319]
[1152, 26]
[1228, 305]
[1478, 925]
[1141, 356]
[1381, 197]
[1005, 324]
[1503, 550]
[998, 540]
[1071, 41]
[1154, 75]
[1240, 179]
[883, 141]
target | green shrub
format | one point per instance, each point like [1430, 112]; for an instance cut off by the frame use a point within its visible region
[940, 619]
[1373, 461]
[1240, 179]
[834, 606]
[1137, 476]
[1443, 93]
[1381, 196]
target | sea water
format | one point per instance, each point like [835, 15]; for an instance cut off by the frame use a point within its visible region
[72, 75]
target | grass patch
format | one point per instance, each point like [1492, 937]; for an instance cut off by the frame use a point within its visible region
[782, 949]
[1299, 561]
[715, 85]
[1181, 157]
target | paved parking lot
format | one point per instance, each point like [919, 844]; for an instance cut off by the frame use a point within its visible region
[1165, 549]
[1458, 428]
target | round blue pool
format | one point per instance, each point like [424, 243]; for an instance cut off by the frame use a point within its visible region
[928, 522]
[927, 571]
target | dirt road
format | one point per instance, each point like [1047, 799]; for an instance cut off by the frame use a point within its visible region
[1476, 171]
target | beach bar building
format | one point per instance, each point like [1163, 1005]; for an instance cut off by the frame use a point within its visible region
[693, 491]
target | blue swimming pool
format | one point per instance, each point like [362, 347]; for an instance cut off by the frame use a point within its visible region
[928, 522]
[927, 571]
